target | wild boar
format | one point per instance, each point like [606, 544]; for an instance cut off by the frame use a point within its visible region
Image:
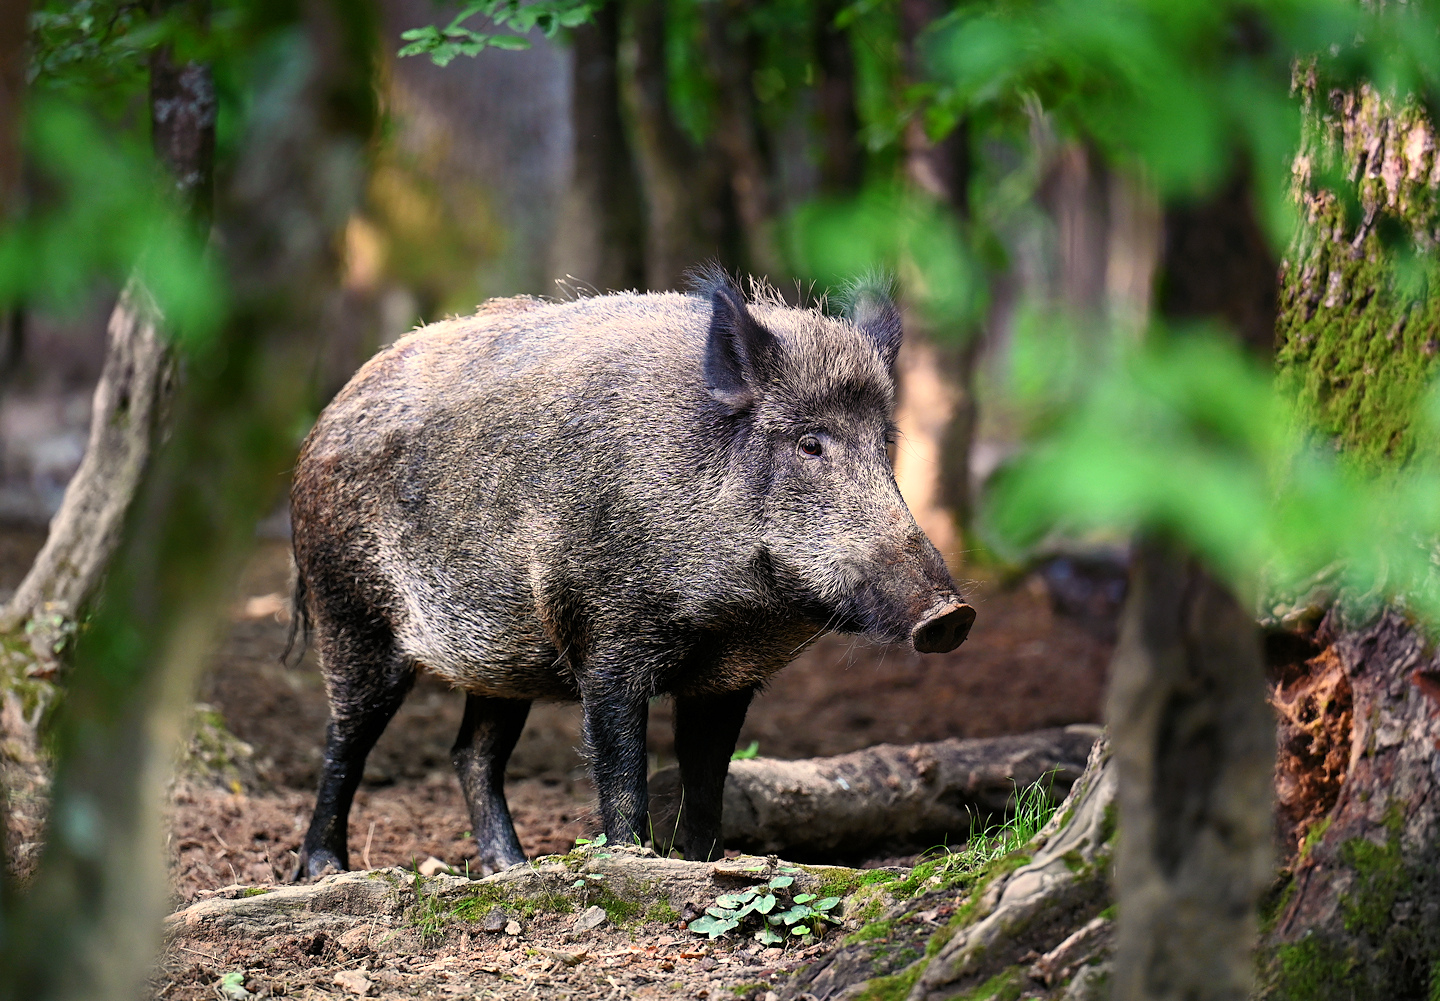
[604, 500]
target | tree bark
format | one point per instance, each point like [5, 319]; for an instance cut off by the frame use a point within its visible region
[687, 215]
[1194, 750]
[601, 239]
[125, 417]
[127, 410]
[89, 924]
[1357, 912]
[887, 797]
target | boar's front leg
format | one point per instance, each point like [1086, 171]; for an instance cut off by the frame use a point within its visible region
[616, 711]
[706, 728]
[487, 736]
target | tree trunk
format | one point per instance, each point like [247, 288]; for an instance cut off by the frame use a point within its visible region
[1195, 756]
[888, 797]
[738, 136]
[686, 208]
[125, 416]
[842, 159]
[941, 170]
[601, 238]
[127, 410]
[1357, 914]
[89, 924]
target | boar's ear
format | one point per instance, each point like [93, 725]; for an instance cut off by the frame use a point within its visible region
[872, 308]
[738, 350]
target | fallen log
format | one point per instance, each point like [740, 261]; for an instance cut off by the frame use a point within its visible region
[887, 797]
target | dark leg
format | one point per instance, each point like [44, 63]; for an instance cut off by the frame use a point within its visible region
[706, 728]
[615, 719]
[487, 736]
[362, 703]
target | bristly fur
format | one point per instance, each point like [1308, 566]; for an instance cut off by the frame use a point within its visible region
[601, 500]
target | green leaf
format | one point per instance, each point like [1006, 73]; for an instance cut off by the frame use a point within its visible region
[768, 937]
[514, 43]
[735, 899]
[823, 905]
[579, 884]
[800, 930]
[723, 913]
[714, 927]
[746, 753]
[805, 898]
[794, 914]
[765, 904]
[780, 882]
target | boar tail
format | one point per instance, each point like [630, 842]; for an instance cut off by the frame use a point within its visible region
[299, 636]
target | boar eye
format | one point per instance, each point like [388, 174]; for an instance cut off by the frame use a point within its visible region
[810, 445]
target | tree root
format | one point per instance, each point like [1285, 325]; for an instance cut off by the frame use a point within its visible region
[1034, 920]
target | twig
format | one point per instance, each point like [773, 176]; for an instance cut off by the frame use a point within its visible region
[366, 855]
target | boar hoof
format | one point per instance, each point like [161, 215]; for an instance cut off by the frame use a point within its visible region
[316, 864]
[944, 629]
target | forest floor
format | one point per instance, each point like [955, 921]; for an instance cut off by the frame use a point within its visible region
[1023, 668]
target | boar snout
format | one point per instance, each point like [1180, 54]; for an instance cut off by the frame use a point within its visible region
[943, 629]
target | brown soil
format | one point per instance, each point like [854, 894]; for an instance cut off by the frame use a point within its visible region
[545, 958]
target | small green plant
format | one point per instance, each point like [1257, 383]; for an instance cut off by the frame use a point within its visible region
[767, 911]
[746, 753]
[1034, 806]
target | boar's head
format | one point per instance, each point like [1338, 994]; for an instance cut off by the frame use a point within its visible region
[809, 401]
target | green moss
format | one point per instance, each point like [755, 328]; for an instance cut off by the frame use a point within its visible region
[1110, 823]
[1007, 985]
[254, 891]
[1314, 836]
[895, 987]
[1311, 970]
[876, 877]
[871, 932]
[619, 910]
[662, 912]
[1276, 899]
[1355, 352]
[1379, 877]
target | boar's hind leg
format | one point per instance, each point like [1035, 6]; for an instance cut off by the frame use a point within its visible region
[706, 728]
[363, 699]
[487, 736]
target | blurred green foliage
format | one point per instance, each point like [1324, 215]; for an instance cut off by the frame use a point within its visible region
[103, 212]
[443, 44]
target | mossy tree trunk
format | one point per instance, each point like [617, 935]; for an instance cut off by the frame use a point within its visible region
[1356, 912]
